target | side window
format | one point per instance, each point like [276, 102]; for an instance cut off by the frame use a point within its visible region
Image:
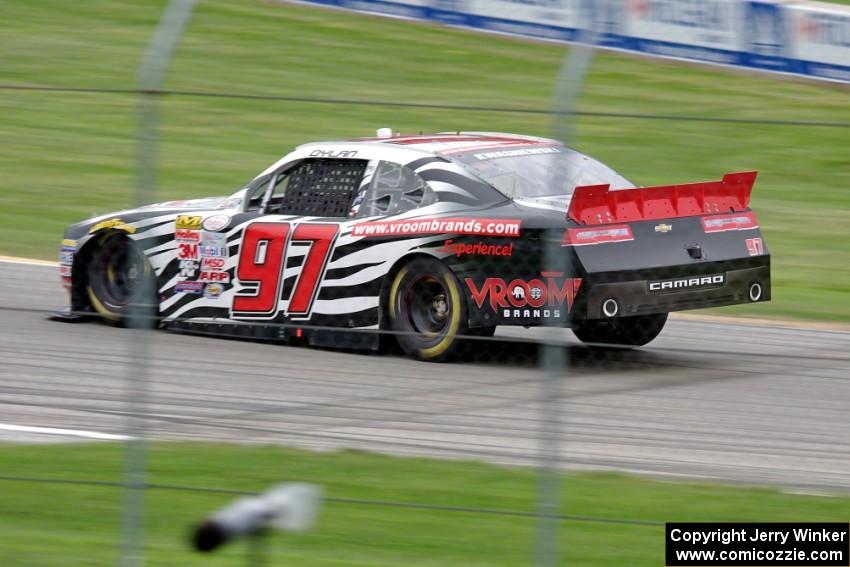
[394, 189]
[317, 187]
[256, 192]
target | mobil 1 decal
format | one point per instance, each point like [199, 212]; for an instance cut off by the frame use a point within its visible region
[547, 296]
[263, 255]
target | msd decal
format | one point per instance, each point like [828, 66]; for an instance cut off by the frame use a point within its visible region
[538, 297]
[213, 263]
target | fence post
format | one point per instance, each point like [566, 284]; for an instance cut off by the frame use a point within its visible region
[141, 318]
[553, 361]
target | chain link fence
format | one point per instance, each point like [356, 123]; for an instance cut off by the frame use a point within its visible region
[535, 401]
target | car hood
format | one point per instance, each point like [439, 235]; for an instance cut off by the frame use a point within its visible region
[226, 202]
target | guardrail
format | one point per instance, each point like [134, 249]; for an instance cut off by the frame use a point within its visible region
[811, 39]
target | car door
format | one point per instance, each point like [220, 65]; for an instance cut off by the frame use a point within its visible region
[290, 237]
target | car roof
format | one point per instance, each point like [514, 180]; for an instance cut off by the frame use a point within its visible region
[449, 143]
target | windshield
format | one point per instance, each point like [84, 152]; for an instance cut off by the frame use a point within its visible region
[540, 171]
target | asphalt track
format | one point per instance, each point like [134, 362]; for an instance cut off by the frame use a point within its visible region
[742, 403]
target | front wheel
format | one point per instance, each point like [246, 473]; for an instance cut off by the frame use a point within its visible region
[427, 310]
[637, 330]
[118, 278]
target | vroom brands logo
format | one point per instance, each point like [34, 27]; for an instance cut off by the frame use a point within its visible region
[521, 299]
[685, 284]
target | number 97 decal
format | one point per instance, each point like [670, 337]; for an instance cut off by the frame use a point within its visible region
[755, 246]
[262, 261]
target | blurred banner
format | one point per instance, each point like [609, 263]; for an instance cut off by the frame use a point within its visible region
[802, 38]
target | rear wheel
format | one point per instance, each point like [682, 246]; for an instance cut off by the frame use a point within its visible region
[627, 331]
[427, 310]
[118, 276]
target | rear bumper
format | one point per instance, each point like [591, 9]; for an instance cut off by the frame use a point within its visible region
[666, 290]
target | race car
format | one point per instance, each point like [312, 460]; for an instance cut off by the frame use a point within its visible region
[430, 240]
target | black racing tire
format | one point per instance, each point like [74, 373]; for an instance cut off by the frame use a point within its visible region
[118, 277]
[427, 310]
[637, 330]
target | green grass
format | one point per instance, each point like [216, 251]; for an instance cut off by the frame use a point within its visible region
[66, 156]
[47, 525]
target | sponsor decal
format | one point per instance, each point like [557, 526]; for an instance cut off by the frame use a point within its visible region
[212, 251]
[722, 223]
[687, 284]
[477, 249]
[518, 152]
[663, 228]
[213, 239]
[187, 251]
[189, 287]
[538, 297]
[66, 252]
[262, 258]
[116, 224]
[214, 276]
[483, 227]
[333, 153]
[216, 222]
[213, 245]
[188, 268]
[213, 263]
[591, 236]
[213, 290]
[192, 222]
[186, 235]
[755, 246]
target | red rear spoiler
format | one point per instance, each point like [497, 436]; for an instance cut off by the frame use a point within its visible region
[597, 204]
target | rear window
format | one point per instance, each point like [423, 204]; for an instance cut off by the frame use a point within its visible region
[540, 170]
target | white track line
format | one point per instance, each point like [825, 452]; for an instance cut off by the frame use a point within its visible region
[68, 432]
[28, 261]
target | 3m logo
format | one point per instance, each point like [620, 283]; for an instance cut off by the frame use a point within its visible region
[187, 251]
